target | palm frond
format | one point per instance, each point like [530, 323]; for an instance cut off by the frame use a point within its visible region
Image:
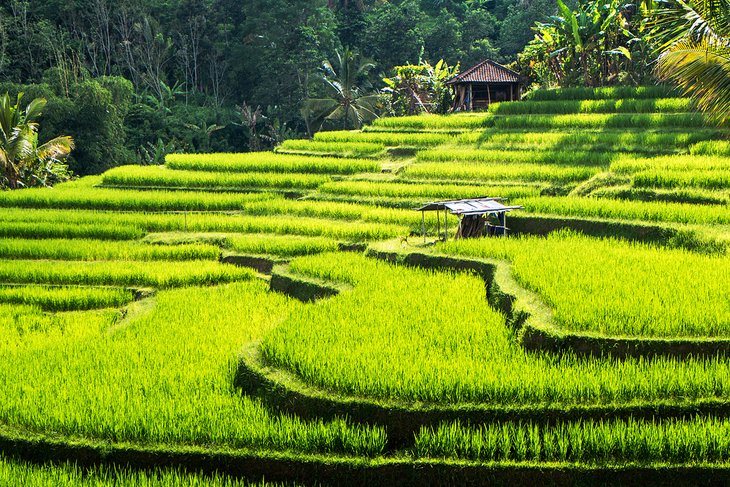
[55, 149]
[702, 71]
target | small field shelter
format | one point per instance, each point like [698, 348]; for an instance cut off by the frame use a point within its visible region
[487, 82]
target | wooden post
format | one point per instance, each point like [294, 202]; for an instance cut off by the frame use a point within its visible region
[446, 225]
[423, 225]
[489, 96]
[471, 98]
[438, 224]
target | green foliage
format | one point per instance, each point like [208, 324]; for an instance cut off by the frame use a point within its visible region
[599, 43]
[348, 102]
[23, 161]
[694, 51]
[420, 88]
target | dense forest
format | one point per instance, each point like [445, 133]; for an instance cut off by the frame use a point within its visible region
[131, 80]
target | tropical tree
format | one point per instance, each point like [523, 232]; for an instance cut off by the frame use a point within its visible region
[420, 88]
[23, 161]
[694, 41]
[593, 45]
[348, 103]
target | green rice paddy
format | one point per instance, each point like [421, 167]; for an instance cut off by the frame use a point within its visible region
[129, 324]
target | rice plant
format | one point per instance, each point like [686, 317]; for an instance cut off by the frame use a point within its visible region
[603, 93]
[676, 441]
[389, 139]
[280, 245]
[70, 197]
[348, 149]
[96, 225]
[714, 180]
[161, 177]
[70, 475]
[564, 157]
[449, 122]
[66, 298]
[424, 336]
[588, 140]
[165, 378]
[597, 121]
[622, 105]
[121, 273]
[630, 165]
[710, 148]
[519, 172]
[628, 210]
[426, 191]
[617, 288]
[100, 230]
[265, 162]
[84, 249]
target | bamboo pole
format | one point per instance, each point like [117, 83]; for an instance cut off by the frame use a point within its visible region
[423, 225]
[446, 224]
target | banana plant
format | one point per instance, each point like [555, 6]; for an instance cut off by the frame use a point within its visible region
[22, 160]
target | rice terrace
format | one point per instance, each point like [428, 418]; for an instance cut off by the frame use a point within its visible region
[279, 312]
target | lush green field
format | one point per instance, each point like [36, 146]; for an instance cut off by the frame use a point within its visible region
[699, 439]
[269, 162]
[126, 329]
[165, 377]
[65, 298]
[616, 288]
[29, 475]
[453, 348]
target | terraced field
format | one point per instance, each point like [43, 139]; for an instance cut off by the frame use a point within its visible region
[279, 316]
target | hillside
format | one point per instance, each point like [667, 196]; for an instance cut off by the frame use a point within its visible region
[150, 314]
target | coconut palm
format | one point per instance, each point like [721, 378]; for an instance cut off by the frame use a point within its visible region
[347, 103]
[695, 51]
[22, 160]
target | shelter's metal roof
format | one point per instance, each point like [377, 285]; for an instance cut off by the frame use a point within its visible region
[475, 206]
[486, 72]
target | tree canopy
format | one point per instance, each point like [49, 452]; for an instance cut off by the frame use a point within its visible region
[150, 75]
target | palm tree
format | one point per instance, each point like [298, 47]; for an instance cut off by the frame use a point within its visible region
[695, 45]
[23, 161]
[347, 103]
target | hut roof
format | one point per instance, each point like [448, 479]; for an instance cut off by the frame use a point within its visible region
[476, 206]
[486, 72]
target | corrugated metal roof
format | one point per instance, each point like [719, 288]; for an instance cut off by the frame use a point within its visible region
[486, 72]
[476, 206]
